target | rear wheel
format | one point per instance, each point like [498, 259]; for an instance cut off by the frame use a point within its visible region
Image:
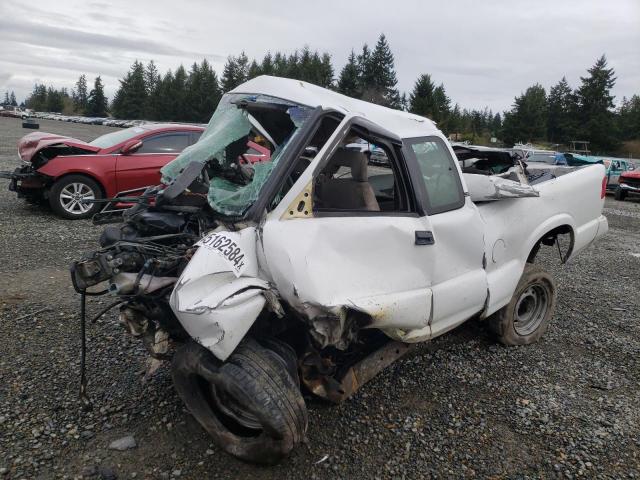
[527, 315]
[251, 404]
[620, 194]
[68, 197]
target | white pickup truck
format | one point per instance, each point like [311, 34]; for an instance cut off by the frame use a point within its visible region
[322, 268]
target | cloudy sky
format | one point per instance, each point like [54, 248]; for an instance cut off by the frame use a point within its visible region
[485, 52]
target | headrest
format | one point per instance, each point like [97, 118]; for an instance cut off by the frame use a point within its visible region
[353, 159]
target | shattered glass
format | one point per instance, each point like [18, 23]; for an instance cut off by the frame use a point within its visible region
[231, 128]
[227, 125]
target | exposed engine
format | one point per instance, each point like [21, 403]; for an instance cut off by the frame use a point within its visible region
[140, 260]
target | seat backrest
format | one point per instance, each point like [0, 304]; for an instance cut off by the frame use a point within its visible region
[353, 193]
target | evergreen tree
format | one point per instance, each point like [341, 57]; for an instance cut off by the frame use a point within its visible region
[137, 91]
[202, 92]
[527, 120]
[422, 99]
[442, 107]
[152, 81]
[235, 72]
[163, 98]
[12, 99]
[55, 102]
[455, 120]
[326, 72]
[178, 95]
[266, 67]
[81, 96]
[404, 102]
[383, 74]
[305, 64]
[629, 118]
[229, 75]
[477, 123]
[280, 65]
[496, 125]
[151, 77]
[131, 98]
[595, 104]
[349, 81]
[292, 70]
[254, 70]
[97, 102]
[365, 75]
[561, 123]
[37, 100]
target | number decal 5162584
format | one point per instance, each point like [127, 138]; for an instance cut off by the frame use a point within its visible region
[227, 249]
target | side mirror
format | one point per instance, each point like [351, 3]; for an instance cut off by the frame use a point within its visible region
[131, 146]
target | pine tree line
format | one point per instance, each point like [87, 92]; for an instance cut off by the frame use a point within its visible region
[585, 113]
[175, 96]
[561, 115]
[79, 101]
[10, 99]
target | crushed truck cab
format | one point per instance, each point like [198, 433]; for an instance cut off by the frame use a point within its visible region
[322, 264]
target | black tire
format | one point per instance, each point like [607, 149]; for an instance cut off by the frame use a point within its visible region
[525, 319]
[63, 202]
[251, 404]
[620, 194]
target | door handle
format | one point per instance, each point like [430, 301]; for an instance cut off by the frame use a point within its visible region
[424, 237]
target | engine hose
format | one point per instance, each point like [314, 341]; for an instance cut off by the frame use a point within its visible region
[84, 399]
[105, 310]
[142, 271]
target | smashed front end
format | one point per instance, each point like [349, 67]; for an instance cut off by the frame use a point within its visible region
[209, 188]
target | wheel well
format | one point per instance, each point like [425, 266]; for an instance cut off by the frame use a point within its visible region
[549, 239]
[82, 174]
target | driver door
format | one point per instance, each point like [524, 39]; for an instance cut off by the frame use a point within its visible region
[354, 237]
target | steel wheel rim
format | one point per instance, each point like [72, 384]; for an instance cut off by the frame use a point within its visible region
[531, 308]
[73, 197]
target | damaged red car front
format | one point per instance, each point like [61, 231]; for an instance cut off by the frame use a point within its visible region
[71, 174]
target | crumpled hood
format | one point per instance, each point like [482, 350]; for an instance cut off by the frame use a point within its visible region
[32, 143]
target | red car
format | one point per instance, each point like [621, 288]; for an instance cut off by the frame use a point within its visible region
[629, 182]
[65, 171]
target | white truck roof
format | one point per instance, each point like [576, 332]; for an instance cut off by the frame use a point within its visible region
[403, 124]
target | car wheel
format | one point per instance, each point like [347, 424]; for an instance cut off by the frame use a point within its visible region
[251, 404]
[620, 194]
[527, 315]
[67, 197]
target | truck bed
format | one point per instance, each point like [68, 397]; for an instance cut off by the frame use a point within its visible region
[570, 198]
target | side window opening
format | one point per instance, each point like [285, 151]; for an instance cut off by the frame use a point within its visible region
[439, 173]
[360, 176]
[195, 136]
[327, 127]
[165, 143]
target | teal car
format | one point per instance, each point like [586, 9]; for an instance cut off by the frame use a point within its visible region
[616, 167]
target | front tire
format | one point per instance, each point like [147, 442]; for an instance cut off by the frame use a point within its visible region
[525, 319]
[251, 404]
[67, 196]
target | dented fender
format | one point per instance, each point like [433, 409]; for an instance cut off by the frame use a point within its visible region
[215, 302]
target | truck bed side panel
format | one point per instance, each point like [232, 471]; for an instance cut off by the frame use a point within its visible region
[514, 226]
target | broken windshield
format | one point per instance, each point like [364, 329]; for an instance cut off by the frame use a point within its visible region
[244, 141]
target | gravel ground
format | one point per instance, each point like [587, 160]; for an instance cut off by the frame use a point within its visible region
[460, 406]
